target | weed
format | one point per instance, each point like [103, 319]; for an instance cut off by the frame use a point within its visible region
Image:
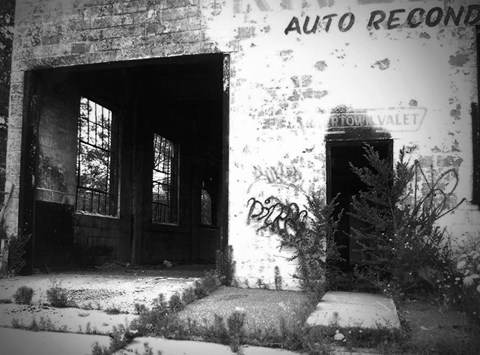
[465, 290]
[210, 282]
[120, 337]
[399, 240]
[58, 296]
[113, 310]
[277, 279]
[202, 288]
[99, 350]
[261, 284]
[176, 304]
[225, 265]
[147, 350]
[188, 296]
[16, 253]
[43, 325]
[16, 323]
[236, 322]
[140, 308]
[23, 295]
[5, 300]
[154, 321]
[310, 233]
[219, 330]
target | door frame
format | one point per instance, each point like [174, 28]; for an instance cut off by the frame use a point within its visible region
[334, 143]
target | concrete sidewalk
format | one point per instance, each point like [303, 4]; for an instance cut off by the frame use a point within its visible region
[183, 347]
[355, 309]
[264, 309]
[23, 342]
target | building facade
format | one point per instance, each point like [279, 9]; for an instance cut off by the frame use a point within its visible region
[147, 130]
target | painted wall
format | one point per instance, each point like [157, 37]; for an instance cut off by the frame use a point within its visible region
[287, 75]
[285, 85]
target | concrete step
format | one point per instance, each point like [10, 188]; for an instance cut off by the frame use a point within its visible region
[355, 309]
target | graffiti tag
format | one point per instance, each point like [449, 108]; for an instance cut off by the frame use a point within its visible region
[280, 174]
[275, 215]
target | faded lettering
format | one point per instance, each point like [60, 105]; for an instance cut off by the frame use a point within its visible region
[398, 119]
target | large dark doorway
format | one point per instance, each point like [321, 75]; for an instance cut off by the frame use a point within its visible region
[343, 183]
[129, 159]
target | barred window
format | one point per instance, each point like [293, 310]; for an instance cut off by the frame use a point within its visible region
[95, 174]
[165, 181]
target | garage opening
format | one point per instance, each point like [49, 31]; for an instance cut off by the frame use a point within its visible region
[130, 162]
[344, 184]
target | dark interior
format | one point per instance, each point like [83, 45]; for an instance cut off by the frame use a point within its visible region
[344, 183]
[181, 99]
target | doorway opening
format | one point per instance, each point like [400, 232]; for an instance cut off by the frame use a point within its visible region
[130, 162]
[344, 184]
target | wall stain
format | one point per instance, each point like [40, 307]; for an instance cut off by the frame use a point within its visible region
[458, 60]
[424, 35]
[286, 55]
[382, 64]
[321, 65]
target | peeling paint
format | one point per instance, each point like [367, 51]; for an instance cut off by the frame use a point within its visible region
[286, 55]
[321, 65]
[455, 114]
[458, 60]
[424, 35]
[449, 161]
[455, 146]
[382, 64]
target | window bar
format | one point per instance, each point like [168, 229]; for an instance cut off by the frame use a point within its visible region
[88, 120]
[107, 187]
[95, 124]
[91, 201]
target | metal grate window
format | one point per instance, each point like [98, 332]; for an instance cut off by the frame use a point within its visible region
[165, 181]
[95, 183]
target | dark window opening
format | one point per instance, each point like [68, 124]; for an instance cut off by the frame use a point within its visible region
[165, 181]
[95, 171]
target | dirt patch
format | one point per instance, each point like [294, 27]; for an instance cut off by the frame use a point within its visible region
[434, 329]
[263, 308]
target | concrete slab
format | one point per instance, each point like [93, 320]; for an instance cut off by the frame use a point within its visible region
[184, 347]
[103, 290]
[23, 342]
[354, 309]
[65, 319]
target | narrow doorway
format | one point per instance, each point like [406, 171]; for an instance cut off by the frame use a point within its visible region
[343, 184]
